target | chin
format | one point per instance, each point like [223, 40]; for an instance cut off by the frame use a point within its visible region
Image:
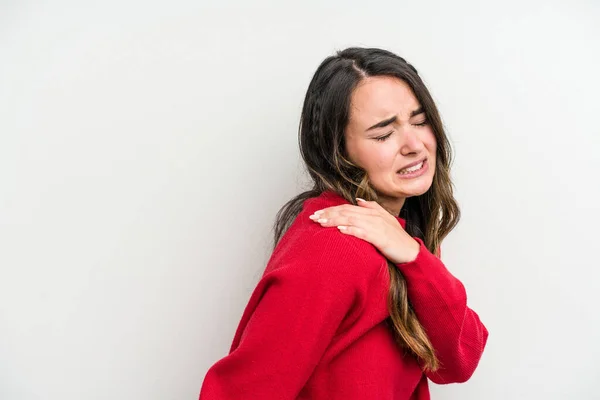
[415, 187]
[414, 193]
[399, 192]
[409, 188]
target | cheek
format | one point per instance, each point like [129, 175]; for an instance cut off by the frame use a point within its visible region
[431, 145]
[430, 137]
[386, 156]
[351, 151]
[430, 142]
[380, 157]
[370, 158]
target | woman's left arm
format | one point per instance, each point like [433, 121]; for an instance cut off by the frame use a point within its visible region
[438, 298]
[440, 303]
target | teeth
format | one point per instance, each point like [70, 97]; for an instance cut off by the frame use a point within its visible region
[412, 169]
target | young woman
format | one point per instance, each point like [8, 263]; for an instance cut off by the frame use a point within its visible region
[355, 302]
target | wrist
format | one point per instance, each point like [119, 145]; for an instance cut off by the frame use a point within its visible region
[415, 248]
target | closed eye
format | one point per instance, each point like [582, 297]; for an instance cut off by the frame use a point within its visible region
[384, 137]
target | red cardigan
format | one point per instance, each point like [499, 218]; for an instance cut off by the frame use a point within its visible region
[314, 327]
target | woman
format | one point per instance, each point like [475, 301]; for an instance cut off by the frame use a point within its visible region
[355, 302]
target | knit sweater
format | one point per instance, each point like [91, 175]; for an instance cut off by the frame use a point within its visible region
[315, 326]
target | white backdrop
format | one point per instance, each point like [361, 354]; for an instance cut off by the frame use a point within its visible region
[145, 148]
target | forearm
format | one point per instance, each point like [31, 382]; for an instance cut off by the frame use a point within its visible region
[440, 303]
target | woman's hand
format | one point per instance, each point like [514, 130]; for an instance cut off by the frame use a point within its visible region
[371, 222]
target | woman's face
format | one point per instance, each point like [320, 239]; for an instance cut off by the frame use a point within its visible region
[386, 138]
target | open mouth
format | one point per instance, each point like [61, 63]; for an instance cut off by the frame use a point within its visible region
[413, 169]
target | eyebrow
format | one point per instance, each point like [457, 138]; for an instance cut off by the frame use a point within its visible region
[393, 119]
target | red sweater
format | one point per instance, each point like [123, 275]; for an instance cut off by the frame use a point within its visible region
[314, 327]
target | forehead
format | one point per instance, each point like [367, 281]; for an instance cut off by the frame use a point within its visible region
[379, 97]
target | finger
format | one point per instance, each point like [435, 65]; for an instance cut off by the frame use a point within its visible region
[354, 231]
[328, 220]
[362, 218]
[373, 206]
[368, 204]
[345, 209]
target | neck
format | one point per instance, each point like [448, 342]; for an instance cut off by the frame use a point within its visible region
[393, 205]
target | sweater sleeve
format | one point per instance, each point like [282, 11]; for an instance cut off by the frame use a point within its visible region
[291, 317]
[440, 303]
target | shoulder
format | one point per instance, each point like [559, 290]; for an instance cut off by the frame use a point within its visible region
[309, 248]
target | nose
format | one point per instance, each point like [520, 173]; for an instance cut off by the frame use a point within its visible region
[411, 142]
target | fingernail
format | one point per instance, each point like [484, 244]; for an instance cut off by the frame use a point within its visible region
[342, 227]
[358, 198]
[318, 212]
[322, 220]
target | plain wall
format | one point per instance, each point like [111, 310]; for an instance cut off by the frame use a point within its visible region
[145, 148]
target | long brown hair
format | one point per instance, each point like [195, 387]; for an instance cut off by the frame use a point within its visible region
[324, 118]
